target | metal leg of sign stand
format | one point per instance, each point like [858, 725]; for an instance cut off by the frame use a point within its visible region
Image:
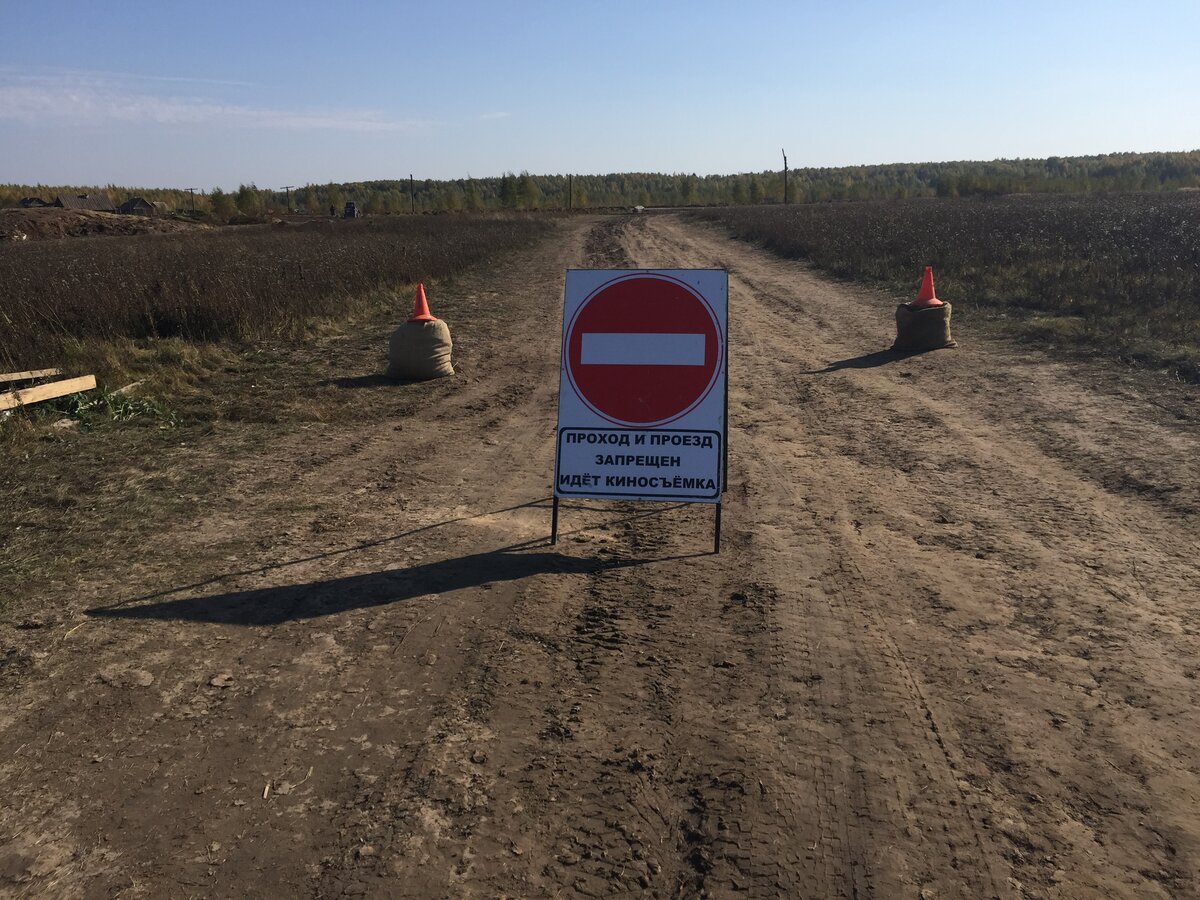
[717, 533]
[554, 523]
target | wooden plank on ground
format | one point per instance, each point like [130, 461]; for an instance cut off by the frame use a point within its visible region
[27, 376]
[13, 399]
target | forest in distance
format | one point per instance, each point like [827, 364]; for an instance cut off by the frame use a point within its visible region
[1116, 172]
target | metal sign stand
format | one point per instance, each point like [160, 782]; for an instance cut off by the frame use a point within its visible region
[602, 329]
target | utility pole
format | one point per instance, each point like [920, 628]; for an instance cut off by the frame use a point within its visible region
[287, 191]
[570, 192]
[785, 186]
[192, 191]
[412, 196]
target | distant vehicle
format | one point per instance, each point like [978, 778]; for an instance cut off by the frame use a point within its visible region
[351, 211]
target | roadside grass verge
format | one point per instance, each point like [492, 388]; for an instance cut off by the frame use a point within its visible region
[1116, 275]
[177, 419]
[80, 502]
[185, 322]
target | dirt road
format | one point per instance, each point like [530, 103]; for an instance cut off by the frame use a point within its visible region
[949, 649]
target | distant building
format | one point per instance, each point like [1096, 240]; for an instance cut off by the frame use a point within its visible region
[96, 202]
[140, 206]
[33, 203]
[136, 206]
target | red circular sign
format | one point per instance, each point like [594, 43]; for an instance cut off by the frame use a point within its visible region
[643, 350]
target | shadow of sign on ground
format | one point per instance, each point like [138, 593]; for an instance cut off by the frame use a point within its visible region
[284, 603]
[867, 361]
[276, 605]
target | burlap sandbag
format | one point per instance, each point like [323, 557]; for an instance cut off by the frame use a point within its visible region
[923, 329]
[419, 351]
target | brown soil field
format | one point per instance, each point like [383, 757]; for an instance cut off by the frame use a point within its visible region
[949, 648]
[50, 223]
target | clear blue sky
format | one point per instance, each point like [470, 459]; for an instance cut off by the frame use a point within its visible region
[172, 93]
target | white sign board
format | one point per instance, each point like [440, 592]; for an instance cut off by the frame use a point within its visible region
[641, 401]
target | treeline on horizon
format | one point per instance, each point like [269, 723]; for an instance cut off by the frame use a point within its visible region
[1115, 172]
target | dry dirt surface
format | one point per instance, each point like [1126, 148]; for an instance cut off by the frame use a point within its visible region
[949, 648]
[49, 223]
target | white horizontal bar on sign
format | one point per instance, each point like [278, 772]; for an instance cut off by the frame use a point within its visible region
[624, 349]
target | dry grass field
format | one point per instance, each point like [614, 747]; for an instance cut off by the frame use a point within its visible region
[1117, 274]
[241, 283]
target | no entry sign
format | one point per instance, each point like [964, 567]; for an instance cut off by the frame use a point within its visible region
[643, 349]
[641, 412]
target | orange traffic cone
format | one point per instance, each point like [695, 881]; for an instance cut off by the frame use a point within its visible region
[421, 307]
[926, 298]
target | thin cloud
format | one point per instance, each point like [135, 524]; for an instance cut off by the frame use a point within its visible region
[89, 99]
[495, 115]
[102, 76]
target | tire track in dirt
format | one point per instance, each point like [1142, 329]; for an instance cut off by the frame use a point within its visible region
[725, 740]
[584, 775]
[902, 776]
[436, 811]
[1008, 589]
[706, 767]
[433, 807]
[863, 687]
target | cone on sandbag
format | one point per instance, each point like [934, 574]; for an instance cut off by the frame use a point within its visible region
[926, 296]
[421, 307]
[924, 324]
[420, 348]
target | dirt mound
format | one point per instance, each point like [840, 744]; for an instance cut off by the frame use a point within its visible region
[51, 223]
